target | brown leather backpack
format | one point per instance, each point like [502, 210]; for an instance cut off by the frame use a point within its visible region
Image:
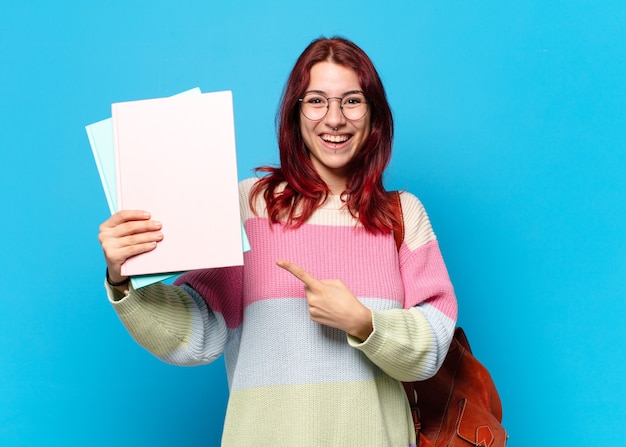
[459, 406]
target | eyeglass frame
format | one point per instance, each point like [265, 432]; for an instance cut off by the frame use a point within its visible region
[340, 98]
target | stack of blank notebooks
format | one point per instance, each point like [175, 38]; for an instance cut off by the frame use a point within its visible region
[174, 157]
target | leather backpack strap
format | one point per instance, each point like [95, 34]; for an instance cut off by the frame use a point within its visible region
[398, 226]
[459, 335]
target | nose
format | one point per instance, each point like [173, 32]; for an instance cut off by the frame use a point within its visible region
[334, 116]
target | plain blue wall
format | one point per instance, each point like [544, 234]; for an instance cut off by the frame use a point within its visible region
[510, 128]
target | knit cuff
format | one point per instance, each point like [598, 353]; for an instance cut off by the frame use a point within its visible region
[113, 294]
[376, 340]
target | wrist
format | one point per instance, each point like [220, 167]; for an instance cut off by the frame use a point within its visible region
[365, 326]
[112, 283]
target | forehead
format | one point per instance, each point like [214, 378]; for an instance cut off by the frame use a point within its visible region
[332, 78]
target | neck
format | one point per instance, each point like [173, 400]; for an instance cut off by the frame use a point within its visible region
[335, 181]
[336, 188]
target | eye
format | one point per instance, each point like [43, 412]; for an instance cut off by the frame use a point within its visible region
[353, 100]
[314, 100]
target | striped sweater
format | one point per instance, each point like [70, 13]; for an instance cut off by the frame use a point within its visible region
[294, 382]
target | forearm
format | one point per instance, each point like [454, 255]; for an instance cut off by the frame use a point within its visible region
[173, 324]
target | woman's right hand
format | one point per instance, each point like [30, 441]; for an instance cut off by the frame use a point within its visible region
[125, 234]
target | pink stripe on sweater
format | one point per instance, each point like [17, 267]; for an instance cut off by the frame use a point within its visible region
[366, 263]
[426, 279]
[221, 289]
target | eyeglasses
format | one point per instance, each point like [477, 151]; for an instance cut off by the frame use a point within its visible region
[314, 105]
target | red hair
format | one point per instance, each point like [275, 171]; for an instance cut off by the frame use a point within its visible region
[304, 190]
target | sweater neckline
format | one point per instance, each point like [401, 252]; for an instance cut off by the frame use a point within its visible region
[333, 202]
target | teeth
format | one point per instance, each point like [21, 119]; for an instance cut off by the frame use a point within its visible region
[335, 138]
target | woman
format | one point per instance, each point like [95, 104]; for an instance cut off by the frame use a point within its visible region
[326, 316]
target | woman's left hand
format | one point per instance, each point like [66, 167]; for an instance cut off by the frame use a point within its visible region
[331, 303]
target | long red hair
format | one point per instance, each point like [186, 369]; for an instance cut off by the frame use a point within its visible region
[304, 190]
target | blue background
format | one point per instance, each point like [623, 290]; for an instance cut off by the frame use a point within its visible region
[510, 128]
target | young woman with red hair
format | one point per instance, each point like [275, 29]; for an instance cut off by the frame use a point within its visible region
[327, 316]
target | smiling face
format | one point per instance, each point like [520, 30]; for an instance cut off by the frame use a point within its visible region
[333, 140]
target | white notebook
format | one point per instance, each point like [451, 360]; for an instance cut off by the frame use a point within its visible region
[175, 157]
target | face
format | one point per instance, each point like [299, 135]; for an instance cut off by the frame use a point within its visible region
[333, 140]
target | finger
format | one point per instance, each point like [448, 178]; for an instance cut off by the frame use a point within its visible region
[127, 228]
[300, 273]
[116, 252]
[125, 216]
[120, 254]
[129, 239]
[116, 242]
[136, 228]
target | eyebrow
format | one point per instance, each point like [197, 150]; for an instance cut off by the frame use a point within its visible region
[324, 93]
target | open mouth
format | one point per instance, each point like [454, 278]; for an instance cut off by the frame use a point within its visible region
[336, 139]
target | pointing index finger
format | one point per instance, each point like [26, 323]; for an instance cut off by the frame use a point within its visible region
[299, 273]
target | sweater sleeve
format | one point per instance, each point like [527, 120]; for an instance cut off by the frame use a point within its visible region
[410, 344]
[186, 323]
[173, 323]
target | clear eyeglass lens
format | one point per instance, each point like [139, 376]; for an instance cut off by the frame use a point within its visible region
[315, 106]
